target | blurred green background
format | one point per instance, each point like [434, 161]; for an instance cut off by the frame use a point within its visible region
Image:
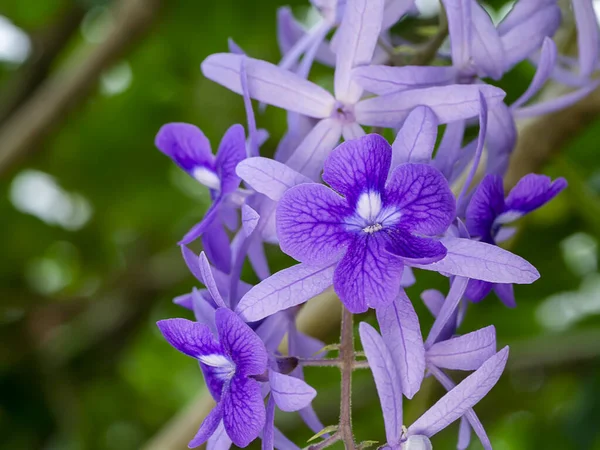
[90, 213]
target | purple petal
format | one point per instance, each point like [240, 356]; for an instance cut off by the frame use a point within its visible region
[487, 49]
[272, 329]
[449, 150]
[533, 191]
[414, 249]
[232, 150]
[358, 34]
[310, 224]
[387, 381]
[367, 275]
[244, 412]
[449, 103]
[486, 204]
[358, 166]
[245, 347]
[197, 230]
[521, 12]
[434, 300]
[394, 10]
[209, 281]
[401, 332]
[501, 138]
[555, 104]
[186, 145]
[204, 311]
[258, 259]
[466, 352]
[416, 139]
[587, 36]
[269, 177]
[191, 338]
[250, 219]
[472, 259]
[477, 290]
[383, 80]
[268, 433]
[461, 30]
[505, 293]
[447, 315]
[310, 155]
[219, 440]
[288, 287]
[544, 70]
[216, 245]
[464, 434]
[455, 403]
[352, 131]
[192, 262]
[524, 39]
[290, 393]
[298, 127]
[208, 427]
[423, 197]
[408, 277]
[233, 47]
[269, 84]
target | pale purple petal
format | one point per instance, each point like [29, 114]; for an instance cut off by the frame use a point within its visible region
[465, 395]
[408, 277]
[186, 145]
[288, 287]
[447, 315]
[422, 195]
[487, 49]
[192, 262]
[449, 103]
[544, 70]
[209, 281]
[197, 230]
[290, 393]
[208, 427]
[310, 155]
[310, 224]
[501, 138]
[298, 127]
[358, 34]
[269, 430]
[464, 434]
[416, 139]
[204, 312]
[269, 177]
[587, 35]
[352, 131]
[486, 204]
[382, 80]
[191, 338]
[317, 45]
[219, 440]
[250, 219]
[466, 352]
[521, 12]
[449, 149]
[244, 412]
[387, 381]
[269, 84]
[506, 294]
[245, 347]
[358, 166]
[434, 301]
[367, 275]
[283, 443]
[533, 191]
[401, 332]
[522, 40]
[417, 442]
[472, 259]
[258, 259]
[394, 10]
[461, 30]
[234, 47]
[555, 104]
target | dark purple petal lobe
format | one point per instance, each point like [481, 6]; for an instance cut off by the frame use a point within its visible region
[232, 150]
[533, 191]
[244, 412]
[186, 145]
[192, 338]
[486, 204]
[414, 249]
[208, 427]
[477, 290]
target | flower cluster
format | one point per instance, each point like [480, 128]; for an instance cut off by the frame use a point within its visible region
[363, 216]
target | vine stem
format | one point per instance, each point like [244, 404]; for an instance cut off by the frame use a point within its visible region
[346, 367]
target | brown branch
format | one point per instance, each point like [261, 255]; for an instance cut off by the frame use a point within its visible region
[68, 87]
[347, 357]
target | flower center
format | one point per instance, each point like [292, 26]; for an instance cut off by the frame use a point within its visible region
[370, 216]
[343, 113]
[224, 368]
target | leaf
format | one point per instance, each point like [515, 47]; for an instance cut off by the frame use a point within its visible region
[328, 429]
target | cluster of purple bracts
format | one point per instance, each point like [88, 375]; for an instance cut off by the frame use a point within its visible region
[362, 215]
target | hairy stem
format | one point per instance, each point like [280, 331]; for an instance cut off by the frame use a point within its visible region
[347, 366]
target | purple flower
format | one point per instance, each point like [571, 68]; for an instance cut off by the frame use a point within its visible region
[488, 211]
[371, 227]
[229, 366]
[452, 406]
[187, 146]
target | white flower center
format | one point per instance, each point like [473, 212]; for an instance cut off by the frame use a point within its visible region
[370, 216]
[224, 368]
[207, 177]
[369, 205]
